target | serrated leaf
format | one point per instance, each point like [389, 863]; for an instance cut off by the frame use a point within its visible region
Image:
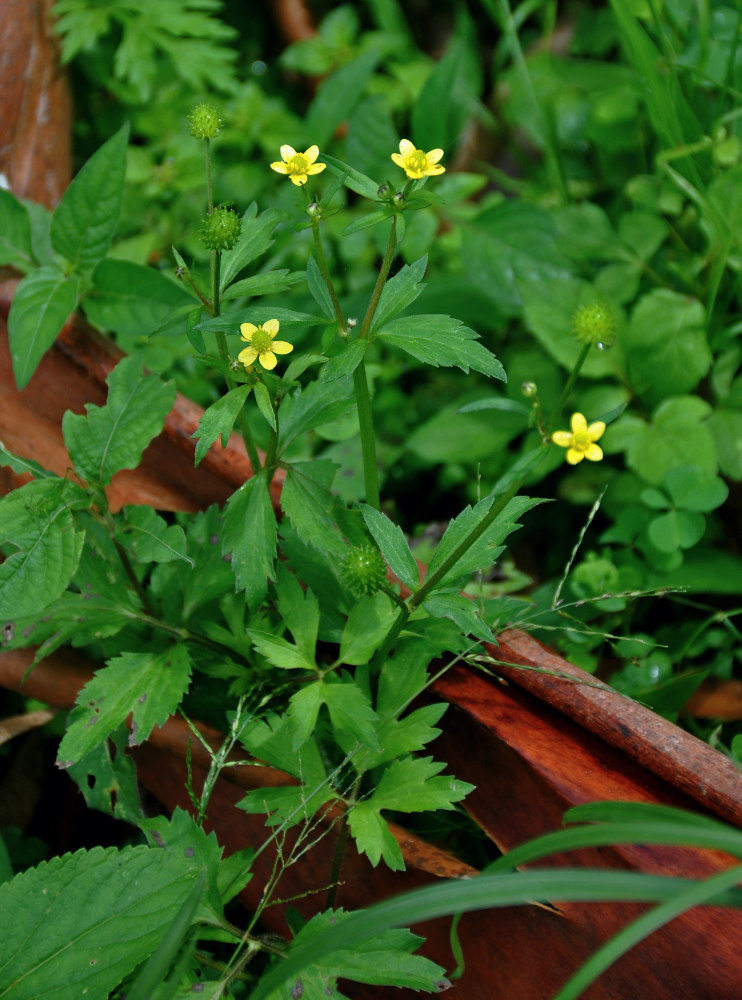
[408, 735]
[413, 784]
[280, 652]
[351, 712]
[219, 419]
[299, 610]
[372, 836]
[255, 239]
[368, 623]
[151, 539]
[393, 544]
[121, 899]
[270, 740]
[131, 299]
[346, 362]
[149, 686]
[441, 340]
[318, 404]
[15, 233]
[41, 305]
[37, 521]
[352, 178]
[85, 219]
[249, 538]
[108, 780]
[459, 609]
[113, 436]
[307, 501]
[399, 292]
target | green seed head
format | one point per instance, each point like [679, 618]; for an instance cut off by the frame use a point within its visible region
[595, 324]
[204, 121]
[363, 570]
[220, 230]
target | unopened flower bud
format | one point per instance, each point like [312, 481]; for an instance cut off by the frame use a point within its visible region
[383, 191]
[595, 324]
[363, 570]
[221, 229]
[314, 211]
[204, 121]
[529, 389]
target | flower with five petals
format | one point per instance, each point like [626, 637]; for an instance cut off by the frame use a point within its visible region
[298, 167]
[580, 440]
[263, 345]
[416, 163]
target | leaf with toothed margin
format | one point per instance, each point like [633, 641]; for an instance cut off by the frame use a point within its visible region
[149, 686]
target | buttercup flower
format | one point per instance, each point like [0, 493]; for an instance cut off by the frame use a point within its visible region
[580, 441]
[416, 163]
[298, 166]
[263, 346]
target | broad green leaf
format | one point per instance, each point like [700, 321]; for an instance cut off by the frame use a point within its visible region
[399, 292]
[219, 419]
[15, 233]
[372, 836]
[432, 111]
[113, 436]
[149, 686]
[249, 538]
[352, 178]
[23, 465]
[677, 435]
[393, 544]
[306, 501]
[441, 340]
[676, 529]
[267, 283]
[85, 219]
[107, 778]
[318, 289]
[666, 346]
[299, 609]
[368, 624]
[130, 299]
[318, 404]
[255, 239]
[337, 95]
[41, 305]
[692, 490]
[462, 610]
[121, 900]
[44, 547]
[150, 538]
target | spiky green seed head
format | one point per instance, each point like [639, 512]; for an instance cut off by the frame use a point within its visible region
[595, 324]
[204, 121]
[363, 570]
[221, 229]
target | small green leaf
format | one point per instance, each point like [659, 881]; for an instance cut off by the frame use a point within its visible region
[346, 362]
[249, 537]
[218, 419]
[151, 539]
[23, 465]
[441, 340]
[677, 529]
[677, 435]
[353, 179]
[41, 305]
[299, 609]
[351, 712]
[149, 686]
[15, 233]
[318, 404]
[255, 239]
[303, 711]
[307, 502]
[263, 399]
[692, 490]
[266, 283]
[393, 544]
[279, 652]
[368, 624]
[113, 437]
[399, 292]
[85, 219]
[318, 289]
[373, 837]
[122, 900]
[412, 785]
[462, 610]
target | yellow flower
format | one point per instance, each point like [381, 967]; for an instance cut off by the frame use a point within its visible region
[298, 166]
[416, 163]
[262, 347]
[581, 439]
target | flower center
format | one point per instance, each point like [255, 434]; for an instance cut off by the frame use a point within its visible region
[418, 160]
[581, 441]
[298, 164]
[261, 340]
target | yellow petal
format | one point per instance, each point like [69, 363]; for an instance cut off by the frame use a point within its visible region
[406, 147]
[562, 438]
[432, 171]
[271, 327]
[279, 167]
[268, 360]
[574, 456]
[594, 452]
[283, 347]
[578, 423]
[298, 179]
[399, 160]
[247, 330]
[287, 152]
[596, 430]
[312, 153]
[247, 356]
[434, 155]
[316, 168]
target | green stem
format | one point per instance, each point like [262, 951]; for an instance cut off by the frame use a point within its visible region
[368, 438]
[380, 281]
[131, 575]
[209, 186]
[325, 272]
[571, 382]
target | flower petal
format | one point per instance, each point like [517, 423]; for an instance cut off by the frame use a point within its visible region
[434, 155]
[596, 430]
[247, 330]
[247, 356]
[432, 171]
[316, 168]
[574, 456]
[312, 153]
[594, 452]
[578, 423]
[298, 179]
[287, 152]
[406, 147]
[268, 359]
[279, 167]
[271, 327]
[562, 438]
[283, 347]
[399, 160]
